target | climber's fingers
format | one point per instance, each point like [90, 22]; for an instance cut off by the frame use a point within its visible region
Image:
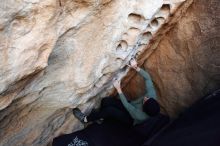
[116, 82]
[128, 64]
[132, 62]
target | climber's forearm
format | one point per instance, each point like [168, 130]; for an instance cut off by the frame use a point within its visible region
[123, 98]
[144, 74]
[151, 92]
[138, 69]
[119, 90]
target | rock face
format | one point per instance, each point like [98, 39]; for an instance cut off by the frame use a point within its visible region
[56, 55]
[101, 32]
[186, 63]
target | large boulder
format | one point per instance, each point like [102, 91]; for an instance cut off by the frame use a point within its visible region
[56, 55]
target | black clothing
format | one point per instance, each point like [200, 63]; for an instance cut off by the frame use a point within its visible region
[111, 110]
[114, 133]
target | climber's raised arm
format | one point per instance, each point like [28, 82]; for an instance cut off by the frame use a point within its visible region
[117, 85]
[148, 82]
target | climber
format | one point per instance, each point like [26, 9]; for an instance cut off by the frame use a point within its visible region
[129, 113]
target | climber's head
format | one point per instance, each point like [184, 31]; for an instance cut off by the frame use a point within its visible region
[151, 106]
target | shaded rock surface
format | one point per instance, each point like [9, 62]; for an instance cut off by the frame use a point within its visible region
[56, 55]
[186, 64]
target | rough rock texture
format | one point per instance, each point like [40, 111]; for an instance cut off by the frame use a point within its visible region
[90, 40]
[186, 63]
[60, 54]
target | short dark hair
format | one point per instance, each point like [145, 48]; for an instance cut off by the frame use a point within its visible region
[151, 107]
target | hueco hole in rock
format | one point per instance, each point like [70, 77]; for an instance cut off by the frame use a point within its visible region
[58, 55]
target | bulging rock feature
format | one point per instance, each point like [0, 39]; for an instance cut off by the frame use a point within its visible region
[56, 55]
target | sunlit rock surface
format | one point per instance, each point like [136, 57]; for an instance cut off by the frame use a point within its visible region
[56, 55]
